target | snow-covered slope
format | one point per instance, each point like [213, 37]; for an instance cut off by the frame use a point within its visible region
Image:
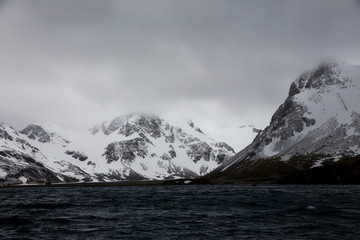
[320, 116]
[21, 162]
[237, 136]
[129, 147]
[155, 149]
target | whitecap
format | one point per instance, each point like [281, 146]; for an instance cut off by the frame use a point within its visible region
[311, 207]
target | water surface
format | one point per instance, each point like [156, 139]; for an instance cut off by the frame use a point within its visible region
[181, 212]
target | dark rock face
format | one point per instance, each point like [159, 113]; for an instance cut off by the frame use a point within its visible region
[128, 129]
[323, 75]
[151, 125]
[191, 124]
[31, 170]
[5, 135]
[293, 90]
[199, 150]
[77, 155]
[172, 153]
[220, 158]
[224, 145]
[256, 130]
[286, 121]
[125, 151]
[36, 132]
[129, 124]
[289, 118]
[165, 157]
[355, 121]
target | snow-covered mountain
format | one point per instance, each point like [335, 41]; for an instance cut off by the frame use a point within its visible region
[319, 121]
[21, 162]
[129, 147]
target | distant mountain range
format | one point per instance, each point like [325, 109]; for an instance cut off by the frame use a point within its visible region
[314, 136]
[130, 147]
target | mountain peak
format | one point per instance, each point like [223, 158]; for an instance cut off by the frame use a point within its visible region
[44, 133]
[321, 116]
[325, 74]
[116, 123]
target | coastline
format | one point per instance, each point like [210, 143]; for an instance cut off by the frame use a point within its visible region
[175, 182]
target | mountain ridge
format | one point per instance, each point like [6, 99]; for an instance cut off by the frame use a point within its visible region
[320, 117]
[317, 127]
[128, 147]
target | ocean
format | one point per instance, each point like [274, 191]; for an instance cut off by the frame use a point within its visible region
[181, 212]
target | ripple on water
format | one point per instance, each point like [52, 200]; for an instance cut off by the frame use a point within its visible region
[181, 212]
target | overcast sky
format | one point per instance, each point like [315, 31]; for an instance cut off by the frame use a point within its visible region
[224, 62]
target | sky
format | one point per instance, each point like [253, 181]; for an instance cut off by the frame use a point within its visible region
[222, 63]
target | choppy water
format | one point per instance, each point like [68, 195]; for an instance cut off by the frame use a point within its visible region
[181, 212]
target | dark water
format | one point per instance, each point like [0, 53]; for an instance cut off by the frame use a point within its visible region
[181, 212]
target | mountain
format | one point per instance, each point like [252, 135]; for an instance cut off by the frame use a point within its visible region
[129, 147]
[318, 125]
[21, 162]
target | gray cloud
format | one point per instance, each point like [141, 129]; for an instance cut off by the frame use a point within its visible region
[80, 62]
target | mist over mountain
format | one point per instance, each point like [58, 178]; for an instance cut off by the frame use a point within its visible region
[317, 125]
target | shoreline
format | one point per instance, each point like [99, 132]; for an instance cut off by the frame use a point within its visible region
[87, 184]
[176, 182]
[173, 182]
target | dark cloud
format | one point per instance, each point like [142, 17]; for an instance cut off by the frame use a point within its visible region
[80, 62]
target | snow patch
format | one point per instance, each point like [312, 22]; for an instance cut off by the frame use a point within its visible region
[2, 173]
[269, 149]
[23, 179]
[285, 158]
